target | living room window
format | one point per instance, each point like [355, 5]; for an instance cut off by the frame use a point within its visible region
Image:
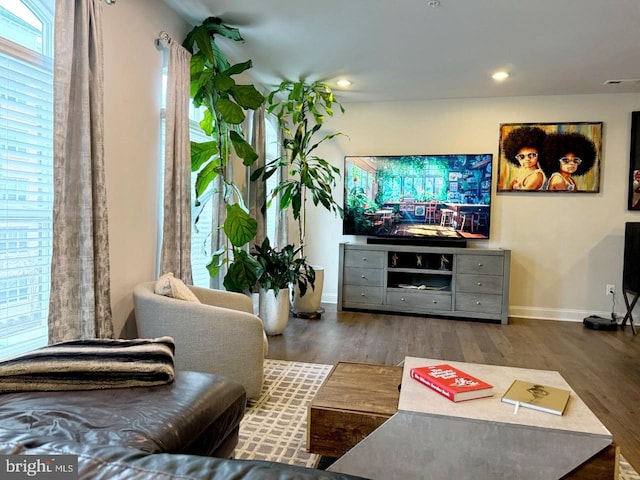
[26, 172]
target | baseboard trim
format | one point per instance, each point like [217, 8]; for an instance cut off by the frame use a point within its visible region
[563, 315]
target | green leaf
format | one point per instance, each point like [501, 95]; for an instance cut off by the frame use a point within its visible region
[199, 204]
[297, 90]
[239, 226]
[217, 260]
[243, 149]
[197, 64]
[223, 82]
[202, 152]
[243, 272]
[203, 41]
[207, 123]
[220, 63]
[215, 26]
[205, 177]
[230, 111]
[238, 68]
[247, 96]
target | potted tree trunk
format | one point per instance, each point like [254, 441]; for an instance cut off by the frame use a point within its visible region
[301, 109]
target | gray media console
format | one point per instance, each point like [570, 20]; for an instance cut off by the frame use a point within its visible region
[453, 282]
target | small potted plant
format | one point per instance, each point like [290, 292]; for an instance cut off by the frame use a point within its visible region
[278, 270]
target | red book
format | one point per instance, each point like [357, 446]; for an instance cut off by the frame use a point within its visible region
[452, 383]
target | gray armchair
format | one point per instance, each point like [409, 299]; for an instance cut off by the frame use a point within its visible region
[220, 335]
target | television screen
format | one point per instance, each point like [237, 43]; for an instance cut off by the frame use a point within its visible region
[419, 196]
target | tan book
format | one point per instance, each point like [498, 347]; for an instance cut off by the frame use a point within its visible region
[536, 396]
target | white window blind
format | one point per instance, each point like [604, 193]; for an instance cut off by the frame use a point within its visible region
[272, 149]
[26, 169]
[201, 234]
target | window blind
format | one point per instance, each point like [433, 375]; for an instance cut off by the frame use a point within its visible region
[26, 195]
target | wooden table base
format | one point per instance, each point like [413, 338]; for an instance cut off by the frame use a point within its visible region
[354, 400]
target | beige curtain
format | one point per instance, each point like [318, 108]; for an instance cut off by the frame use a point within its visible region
[256, 191]
[282, 216]
[176, 231]
[80, 303]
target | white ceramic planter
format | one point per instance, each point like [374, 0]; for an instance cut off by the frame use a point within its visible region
[274, 311]
[310, 301]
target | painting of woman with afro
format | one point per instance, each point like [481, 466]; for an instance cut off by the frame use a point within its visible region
[523, 147]
[567, 157]
[550, 157]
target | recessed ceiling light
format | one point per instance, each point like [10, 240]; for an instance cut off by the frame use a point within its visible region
[499, 76]
[344, 83]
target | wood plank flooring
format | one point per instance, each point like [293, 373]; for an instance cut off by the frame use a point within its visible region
[602, 367]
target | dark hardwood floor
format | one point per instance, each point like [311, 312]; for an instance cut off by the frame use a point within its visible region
[602, 367]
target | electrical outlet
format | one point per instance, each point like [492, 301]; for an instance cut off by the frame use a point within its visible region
[611, 289]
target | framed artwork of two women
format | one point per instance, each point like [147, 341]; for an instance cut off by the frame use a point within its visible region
[550, 157]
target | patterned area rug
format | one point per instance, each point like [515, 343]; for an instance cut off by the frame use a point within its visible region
[275, 425]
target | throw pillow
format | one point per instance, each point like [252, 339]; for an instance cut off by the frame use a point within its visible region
[163, 285]
[170, 286]
[180, 291]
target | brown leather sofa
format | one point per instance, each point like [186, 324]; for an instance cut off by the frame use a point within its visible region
[186, 429]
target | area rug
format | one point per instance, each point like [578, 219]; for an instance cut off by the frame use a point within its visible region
[274, 427]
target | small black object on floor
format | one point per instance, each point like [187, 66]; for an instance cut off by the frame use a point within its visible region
[595, 322]
[317, 315]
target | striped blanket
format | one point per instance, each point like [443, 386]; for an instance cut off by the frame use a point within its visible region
[90, 365]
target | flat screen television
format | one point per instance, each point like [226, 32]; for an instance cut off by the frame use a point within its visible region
[418, 197]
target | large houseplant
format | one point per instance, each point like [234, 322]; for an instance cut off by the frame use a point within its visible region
[225, 102]
[301, 109]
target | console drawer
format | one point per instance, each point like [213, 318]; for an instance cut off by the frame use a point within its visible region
[373, 277]
[418, 300]
[363, 259]
[480, 264]
[479, 283]
[480, 303]
[363, 294]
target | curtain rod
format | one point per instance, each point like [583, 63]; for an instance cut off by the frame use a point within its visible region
[109, 2]
[163, 40]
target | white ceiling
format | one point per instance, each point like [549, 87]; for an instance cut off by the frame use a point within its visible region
[409, 50]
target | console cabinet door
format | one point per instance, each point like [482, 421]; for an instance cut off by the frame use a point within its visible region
[479, 283]
[362, 294]
[480, 264]
[364, 276]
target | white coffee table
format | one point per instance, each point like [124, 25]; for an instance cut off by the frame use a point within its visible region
[433, 437]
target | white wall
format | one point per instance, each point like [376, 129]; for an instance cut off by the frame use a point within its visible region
[133, 82]
[565, 247]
